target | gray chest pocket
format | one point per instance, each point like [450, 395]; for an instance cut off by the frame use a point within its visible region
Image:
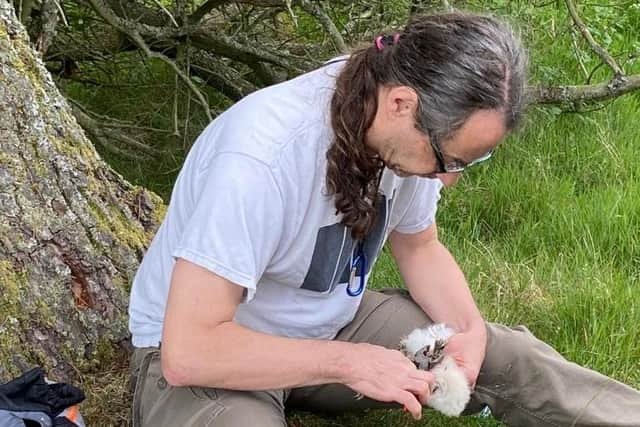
[333, 252]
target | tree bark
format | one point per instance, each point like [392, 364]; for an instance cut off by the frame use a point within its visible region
[72, 231]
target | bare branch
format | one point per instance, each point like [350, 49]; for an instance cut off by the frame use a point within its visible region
[201, 36]
[106, 127]
[314, 8]
[209, 5]
[586, 93]
[204, 9]
[599, 50]
[148, 22]
[234, 48]
[151, 54]
[61, 11]
[49, 19]
[221, 76]
[137, 11]
[106, 137]
[176, 96]
[134, 127]
[132, 30]
[164, 9]
[26, 6]
[203, 62]
[266, 74]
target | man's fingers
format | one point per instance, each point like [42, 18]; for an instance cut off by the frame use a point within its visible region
[421, 389]
[410, 403]
[421, 375]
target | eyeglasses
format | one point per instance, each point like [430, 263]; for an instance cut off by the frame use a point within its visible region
[456, 165]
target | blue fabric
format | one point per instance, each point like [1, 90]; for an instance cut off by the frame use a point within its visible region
[31, 397]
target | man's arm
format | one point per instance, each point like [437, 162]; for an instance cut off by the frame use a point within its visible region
[201, 345]
[438, 286]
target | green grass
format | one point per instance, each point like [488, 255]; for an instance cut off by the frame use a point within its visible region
[547, 235]
[547, 232]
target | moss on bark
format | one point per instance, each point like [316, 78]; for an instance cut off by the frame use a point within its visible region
[72, 231]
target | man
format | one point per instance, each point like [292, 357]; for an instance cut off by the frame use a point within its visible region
[254, 283]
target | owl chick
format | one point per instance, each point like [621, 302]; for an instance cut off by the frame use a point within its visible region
[425, 347]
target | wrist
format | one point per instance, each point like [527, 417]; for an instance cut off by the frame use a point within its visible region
[478, 335]
[478, 329]
[340, 366]
[475, 325]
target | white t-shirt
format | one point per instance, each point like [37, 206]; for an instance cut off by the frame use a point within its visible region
[250, 204]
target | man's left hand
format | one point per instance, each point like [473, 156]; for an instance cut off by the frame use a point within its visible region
[468, 350]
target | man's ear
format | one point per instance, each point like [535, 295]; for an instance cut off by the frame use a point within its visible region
[402, 101]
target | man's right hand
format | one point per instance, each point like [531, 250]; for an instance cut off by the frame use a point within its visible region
[202, 346]
[388, 376]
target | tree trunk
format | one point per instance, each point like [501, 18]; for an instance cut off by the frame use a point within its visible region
[72, 231]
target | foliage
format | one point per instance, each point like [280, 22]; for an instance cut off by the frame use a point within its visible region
[127, 86]
[546, 232]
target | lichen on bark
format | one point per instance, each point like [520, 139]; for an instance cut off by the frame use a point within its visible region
[72, 231]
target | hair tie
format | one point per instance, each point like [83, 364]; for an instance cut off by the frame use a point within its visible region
[379, 44]
[382, 40]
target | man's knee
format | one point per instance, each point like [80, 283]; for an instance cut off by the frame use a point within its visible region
[240, 409]
[157, 404]
[506, 345]
[207, 407]
[512, 352]
[385, 318]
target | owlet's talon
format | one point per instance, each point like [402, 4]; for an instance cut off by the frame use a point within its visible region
[450, 392]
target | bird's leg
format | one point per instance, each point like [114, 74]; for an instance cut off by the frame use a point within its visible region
[429, 355]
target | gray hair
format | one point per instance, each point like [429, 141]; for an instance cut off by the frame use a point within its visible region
[459, 64]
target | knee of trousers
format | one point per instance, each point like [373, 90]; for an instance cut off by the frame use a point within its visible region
[395, 315]
[513, 355]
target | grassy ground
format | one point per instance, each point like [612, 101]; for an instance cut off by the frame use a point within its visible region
[546, 232]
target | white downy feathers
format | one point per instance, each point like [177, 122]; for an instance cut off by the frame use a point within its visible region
[424, 346]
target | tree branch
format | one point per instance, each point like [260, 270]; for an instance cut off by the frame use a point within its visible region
[265, 74]
[204, 9]
[599, 50]
[201, 36]
[232, 48]
[104, 136]
[221, 76]
[131, 30]
[133, 10]
[25, 10]
[315, 9]
[585, 93]
[166, 12]
[211, 68]
[208, 6]
[49, 20]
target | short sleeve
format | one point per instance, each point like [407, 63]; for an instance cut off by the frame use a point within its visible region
[236, 221]
[421, 209]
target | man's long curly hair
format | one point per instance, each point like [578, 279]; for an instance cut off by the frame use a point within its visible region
[457, 63]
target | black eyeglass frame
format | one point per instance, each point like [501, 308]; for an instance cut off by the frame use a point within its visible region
[442, 165]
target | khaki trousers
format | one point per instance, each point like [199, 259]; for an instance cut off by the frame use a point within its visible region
[523, 381]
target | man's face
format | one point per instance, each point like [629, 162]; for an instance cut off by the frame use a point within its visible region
[408, 151]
